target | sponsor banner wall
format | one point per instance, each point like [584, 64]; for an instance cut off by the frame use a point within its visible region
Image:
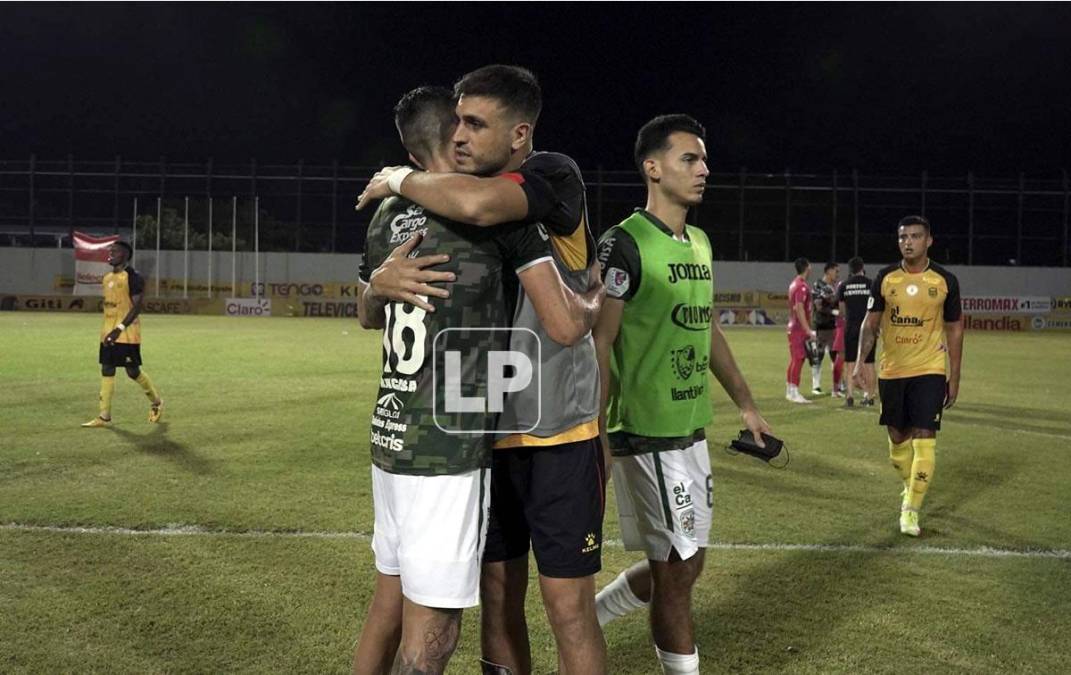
[247, 307]
[67, 303]
[1062, 305]
[988, 304]
[91, 262]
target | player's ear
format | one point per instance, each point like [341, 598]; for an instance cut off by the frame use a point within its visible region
[521, 135]
[652, 170]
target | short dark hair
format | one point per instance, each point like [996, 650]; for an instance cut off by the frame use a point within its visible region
[425, 119]
[914, 220]
[129, 249]
[516, 88]
[654, 136]
[802, 264]
[855, 265]
[829, 266]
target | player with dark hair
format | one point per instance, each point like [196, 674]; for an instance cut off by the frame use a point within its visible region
[548, 482]
[915, 307]
[825, 327]
[852, 298]
[120, 335]
[799, 331]
[656, 338]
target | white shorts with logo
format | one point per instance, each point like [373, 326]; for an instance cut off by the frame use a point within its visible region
[665, 501]
[430, 531]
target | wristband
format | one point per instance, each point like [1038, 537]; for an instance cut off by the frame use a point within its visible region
[396, 178]
[120, 326]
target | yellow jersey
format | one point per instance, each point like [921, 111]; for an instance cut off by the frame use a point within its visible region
[119, 291]
[914, 309]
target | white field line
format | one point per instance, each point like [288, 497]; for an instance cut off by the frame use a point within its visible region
[197, 531]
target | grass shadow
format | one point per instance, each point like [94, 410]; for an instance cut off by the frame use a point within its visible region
[157, 443]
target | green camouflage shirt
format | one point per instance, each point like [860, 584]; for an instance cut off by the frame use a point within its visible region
[429, 418]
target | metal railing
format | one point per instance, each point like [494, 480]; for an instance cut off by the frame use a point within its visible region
[748, 215]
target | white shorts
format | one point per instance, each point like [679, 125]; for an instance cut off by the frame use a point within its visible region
[665, 501]
[430, 531]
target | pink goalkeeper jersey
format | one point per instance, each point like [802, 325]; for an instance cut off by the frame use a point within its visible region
[799, 293]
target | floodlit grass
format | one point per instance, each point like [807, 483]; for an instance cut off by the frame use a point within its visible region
[265, 430]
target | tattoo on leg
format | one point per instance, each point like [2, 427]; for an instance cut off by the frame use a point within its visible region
[440, 641]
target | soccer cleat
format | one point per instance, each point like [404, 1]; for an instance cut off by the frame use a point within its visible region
[796, 397]
[837, 393]
[849, 402]
[97, 422]
[156, 411]
[909, 523]
[817, 391]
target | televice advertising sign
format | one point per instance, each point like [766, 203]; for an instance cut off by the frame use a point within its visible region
[91, 262]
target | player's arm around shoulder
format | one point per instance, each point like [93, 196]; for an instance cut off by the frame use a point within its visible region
[474, 200]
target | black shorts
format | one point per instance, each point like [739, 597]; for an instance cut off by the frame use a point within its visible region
[913, 402]
[554, 498]
[851, 348]
[120, 355]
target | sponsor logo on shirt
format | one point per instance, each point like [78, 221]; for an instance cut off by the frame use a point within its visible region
[898, 319]
[404, 224]
[692, 317]
[688, 272]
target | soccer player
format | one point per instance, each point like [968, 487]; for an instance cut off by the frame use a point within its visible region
[549, 482]
[800, 303]
[432, 487]
[852, 298]
[120, 335]
[825, 326]
[915, 307]
[656, 337]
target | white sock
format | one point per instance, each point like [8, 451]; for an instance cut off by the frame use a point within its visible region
[816, 376]
[616, 600]
[679, 664]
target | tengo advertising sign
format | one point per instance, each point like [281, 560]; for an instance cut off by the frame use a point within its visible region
[1007, 305]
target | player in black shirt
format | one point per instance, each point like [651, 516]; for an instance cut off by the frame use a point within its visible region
[852, 298]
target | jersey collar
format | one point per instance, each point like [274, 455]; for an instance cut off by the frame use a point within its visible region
[924, 269]
[657, 222]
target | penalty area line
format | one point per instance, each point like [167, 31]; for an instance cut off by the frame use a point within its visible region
[198, 531]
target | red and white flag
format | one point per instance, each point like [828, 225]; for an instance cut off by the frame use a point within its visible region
[91, 262]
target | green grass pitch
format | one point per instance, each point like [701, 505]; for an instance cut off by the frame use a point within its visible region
[232, 537]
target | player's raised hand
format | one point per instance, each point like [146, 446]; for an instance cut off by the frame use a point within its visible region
[404, 278]
[378, 187]
[756, 425]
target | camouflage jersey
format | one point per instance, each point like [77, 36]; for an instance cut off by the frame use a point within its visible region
[434, 407]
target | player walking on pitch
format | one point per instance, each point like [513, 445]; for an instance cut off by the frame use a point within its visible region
[655, 340]
[915, 307]
[825, 326]
[120, 338]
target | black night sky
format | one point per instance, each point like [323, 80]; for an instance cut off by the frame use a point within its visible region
[892, 88]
